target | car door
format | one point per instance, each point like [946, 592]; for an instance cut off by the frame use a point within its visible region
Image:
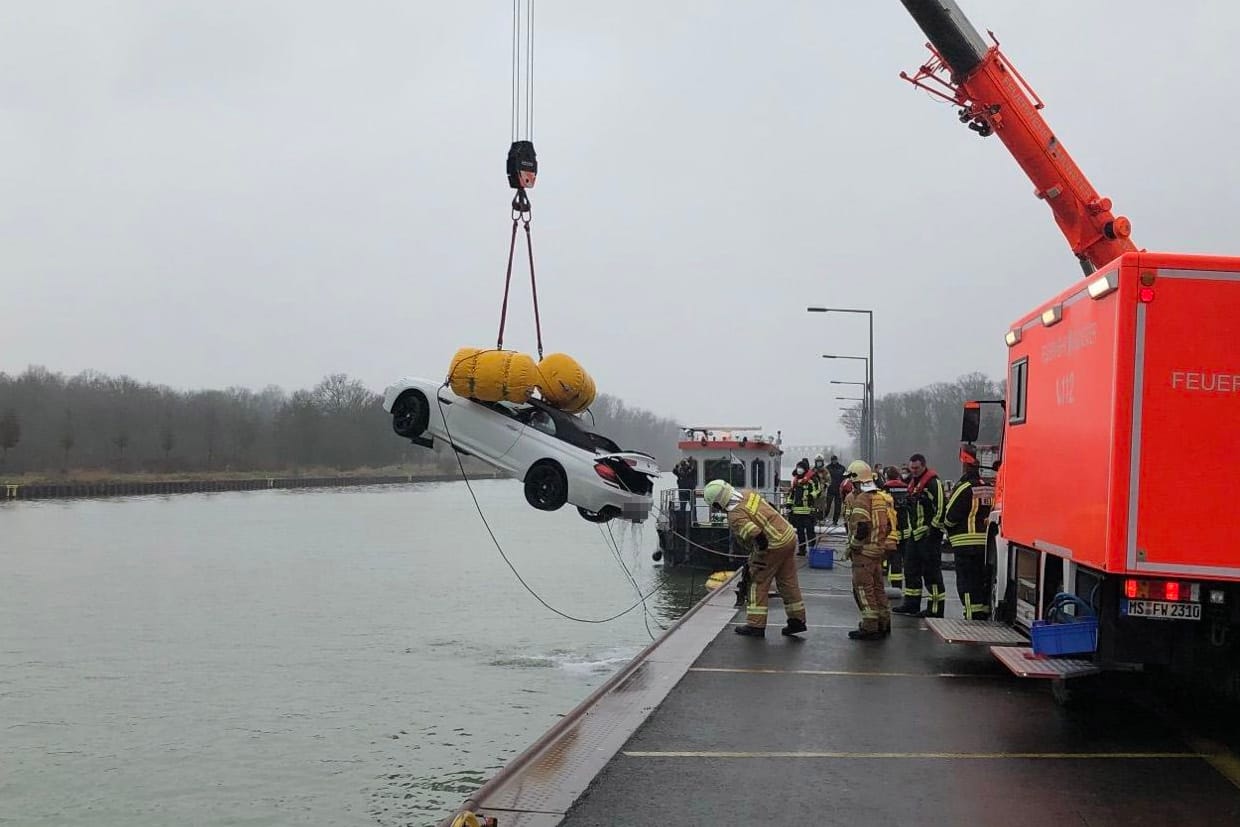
[480, 429]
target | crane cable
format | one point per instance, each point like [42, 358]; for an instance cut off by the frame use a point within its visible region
[522, 166]
[465, 476]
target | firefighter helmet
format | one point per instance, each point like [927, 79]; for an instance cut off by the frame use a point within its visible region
[717, 492]
[860, 470]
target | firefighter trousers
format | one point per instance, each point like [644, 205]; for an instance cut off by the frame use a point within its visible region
[832, 509]
[923, 570]
[973, 582]
[804, 524]
[778, 564]
[867, 579]
[894, 563]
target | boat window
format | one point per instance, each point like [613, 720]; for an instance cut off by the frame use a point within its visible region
[757, 473]
[724, 469]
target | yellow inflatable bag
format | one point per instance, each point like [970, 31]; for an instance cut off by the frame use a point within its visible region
[565, 384]
[493, 375]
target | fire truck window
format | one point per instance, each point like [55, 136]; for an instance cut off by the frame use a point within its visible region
[1018, 391]
[758, 473]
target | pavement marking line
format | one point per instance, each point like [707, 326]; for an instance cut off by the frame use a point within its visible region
[1224, 761]
[811, 625]
[841, 673]
[1131, 756]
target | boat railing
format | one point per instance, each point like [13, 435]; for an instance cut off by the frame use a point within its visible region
[681, 500]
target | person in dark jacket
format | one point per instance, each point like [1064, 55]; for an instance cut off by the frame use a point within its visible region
[834, 499]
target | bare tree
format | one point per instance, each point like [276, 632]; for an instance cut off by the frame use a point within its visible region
[167, 440]
[66, 440]
[10, 433]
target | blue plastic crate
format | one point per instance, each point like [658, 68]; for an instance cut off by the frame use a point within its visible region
[821, 557]
[1064, 638]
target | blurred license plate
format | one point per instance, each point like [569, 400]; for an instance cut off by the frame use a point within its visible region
[1159, 610]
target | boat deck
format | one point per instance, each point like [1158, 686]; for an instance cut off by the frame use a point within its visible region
[713, 728]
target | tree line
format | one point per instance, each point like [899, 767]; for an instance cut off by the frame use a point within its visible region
[50, 422]
[927, 421]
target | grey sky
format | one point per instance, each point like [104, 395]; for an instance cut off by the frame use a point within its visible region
[214, 193]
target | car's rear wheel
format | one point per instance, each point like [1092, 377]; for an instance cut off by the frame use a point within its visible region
[605, 515]
[546, 486]
[411, 413]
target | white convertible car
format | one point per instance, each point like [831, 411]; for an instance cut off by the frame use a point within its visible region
[549, 450]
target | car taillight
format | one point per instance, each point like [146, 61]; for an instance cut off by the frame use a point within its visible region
[1171, 590]
[606, 472]
[1145, 295]
[1130, 588]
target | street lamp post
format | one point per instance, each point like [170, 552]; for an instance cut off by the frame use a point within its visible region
[866, 440]
[872, 432]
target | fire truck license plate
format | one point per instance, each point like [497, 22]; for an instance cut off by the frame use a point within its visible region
[1159, 610]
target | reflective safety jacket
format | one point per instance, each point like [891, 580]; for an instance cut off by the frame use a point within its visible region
[868, 521]
[967, 512]
[754, 516]
[804, 494]
[893, 521]
[925, 504]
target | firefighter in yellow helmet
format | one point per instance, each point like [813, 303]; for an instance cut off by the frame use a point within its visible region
[867, 514]
[772, 546]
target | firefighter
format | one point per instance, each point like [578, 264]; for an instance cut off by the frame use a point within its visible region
[772, 543]
[965, 520]
[923, 559]
[867, 517]
[822, 478]
[801, 499]
[834, 498]
[897, 489]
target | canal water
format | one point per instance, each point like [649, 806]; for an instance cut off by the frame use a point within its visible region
[344, 657]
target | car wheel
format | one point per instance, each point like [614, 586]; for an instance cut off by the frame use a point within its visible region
[606, 515]
[546, 487]
[411, 413]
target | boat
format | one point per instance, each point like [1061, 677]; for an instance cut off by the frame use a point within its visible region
[747, 457]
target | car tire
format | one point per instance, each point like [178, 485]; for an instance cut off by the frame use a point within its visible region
[546, 486]
[411, 414]
[605, 515]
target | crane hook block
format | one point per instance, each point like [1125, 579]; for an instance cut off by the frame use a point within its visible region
[522, 165]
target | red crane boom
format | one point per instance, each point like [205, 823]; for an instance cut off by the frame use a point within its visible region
[994, 99]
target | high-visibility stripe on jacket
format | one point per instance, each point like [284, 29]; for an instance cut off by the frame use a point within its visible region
[755, 516]
[804, 495]
[925, 504]
[892, 541]
[966, 516]
[868, 507]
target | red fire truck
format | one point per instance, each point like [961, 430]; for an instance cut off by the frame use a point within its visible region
[1123, 404]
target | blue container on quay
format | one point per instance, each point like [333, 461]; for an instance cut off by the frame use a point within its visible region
[1075, 638]
[821, 557]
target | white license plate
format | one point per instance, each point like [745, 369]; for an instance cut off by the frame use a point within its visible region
[1159, 610]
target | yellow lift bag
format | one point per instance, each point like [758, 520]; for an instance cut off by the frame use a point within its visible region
[507, 376]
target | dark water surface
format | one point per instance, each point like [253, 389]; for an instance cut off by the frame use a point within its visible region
[336, 657]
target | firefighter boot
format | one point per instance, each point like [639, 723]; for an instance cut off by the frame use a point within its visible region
[750, 631]
[795, 627]
[910, 606]
[862, 634]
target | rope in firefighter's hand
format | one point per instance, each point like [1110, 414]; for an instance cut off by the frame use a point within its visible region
[500, 549]
[716, 552]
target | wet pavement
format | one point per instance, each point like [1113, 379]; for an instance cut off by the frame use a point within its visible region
[904, 731]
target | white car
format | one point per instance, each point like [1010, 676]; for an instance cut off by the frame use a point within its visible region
[549, 450]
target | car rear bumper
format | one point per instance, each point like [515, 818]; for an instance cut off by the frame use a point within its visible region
[634, 507]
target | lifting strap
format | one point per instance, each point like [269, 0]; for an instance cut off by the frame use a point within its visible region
[520, 215]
